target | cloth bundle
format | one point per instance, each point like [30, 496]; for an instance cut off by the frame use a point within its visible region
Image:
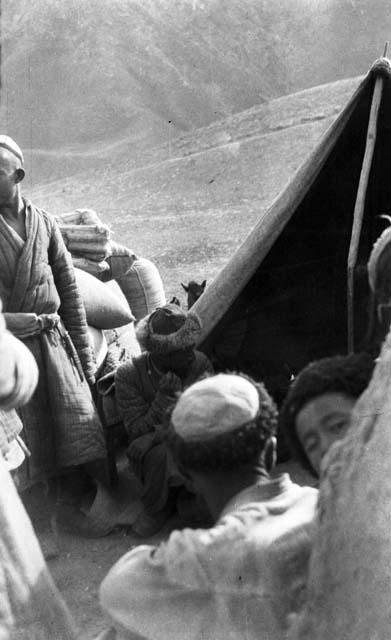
[104, 309]
[87, 239]
[143, 287]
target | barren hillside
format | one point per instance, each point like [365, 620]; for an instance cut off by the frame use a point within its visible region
[82, 74]
[190, 204]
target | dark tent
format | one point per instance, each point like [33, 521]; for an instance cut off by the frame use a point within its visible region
[281, 300]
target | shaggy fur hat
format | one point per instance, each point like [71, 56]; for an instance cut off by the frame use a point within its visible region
[168, 329]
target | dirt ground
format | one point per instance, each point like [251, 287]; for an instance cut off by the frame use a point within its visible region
[78, 563]
[78, 572]
[81, 567]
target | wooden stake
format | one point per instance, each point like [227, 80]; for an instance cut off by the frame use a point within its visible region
[360, 206]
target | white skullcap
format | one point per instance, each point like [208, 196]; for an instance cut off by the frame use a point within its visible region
[8, 143]
[214, 406]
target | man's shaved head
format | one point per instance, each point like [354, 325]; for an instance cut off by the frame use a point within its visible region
[10, 150]
[11, 173]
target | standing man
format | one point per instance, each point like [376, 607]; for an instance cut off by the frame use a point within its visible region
[43, 308]
[244, 578]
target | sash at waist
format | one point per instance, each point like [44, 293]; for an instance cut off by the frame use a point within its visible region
[26, 325]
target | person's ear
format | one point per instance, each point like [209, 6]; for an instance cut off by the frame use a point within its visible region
[19, 175]
[270, 455]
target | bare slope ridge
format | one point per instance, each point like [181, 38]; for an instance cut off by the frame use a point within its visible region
[189, 212]
[88, 72]
[84, 71]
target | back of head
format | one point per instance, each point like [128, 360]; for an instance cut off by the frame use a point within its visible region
[348, 375]
[222, 423]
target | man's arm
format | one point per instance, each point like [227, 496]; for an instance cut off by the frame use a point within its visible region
[140, 597]
[18, 370]
[138, 415]
[18, 379]
[72, 310]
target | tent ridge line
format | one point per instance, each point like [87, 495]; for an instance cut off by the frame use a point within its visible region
[360, 205]
[239, 269]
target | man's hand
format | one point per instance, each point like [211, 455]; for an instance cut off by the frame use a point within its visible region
[170, 384]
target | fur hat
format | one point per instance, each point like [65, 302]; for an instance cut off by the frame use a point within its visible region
[168, 329]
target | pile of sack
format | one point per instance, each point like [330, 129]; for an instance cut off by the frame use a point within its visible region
[87, 239]
[117, 288]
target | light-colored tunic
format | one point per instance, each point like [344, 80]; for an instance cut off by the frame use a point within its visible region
[240, 580]
[31, 608]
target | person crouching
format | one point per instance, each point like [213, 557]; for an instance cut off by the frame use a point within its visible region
[245, 577]
[146, 388]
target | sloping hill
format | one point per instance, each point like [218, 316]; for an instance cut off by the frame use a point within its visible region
[87, 73]
[84, 71]
[188, 212]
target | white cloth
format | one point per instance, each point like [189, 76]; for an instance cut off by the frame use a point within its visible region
[14, 457]
[240, 579]
[30, 605]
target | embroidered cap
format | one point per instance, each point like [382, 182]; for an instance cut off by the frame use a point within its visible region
[214, 406]
[8, 143]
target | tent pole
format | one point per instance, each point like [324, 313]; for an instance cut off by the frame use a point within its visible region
[360, 206]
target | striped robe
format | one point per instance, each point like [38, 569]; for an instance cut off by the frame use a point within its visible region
[61, 425]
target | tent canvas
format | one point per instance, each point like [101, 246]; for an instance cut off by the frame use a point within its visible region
[280, 301]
